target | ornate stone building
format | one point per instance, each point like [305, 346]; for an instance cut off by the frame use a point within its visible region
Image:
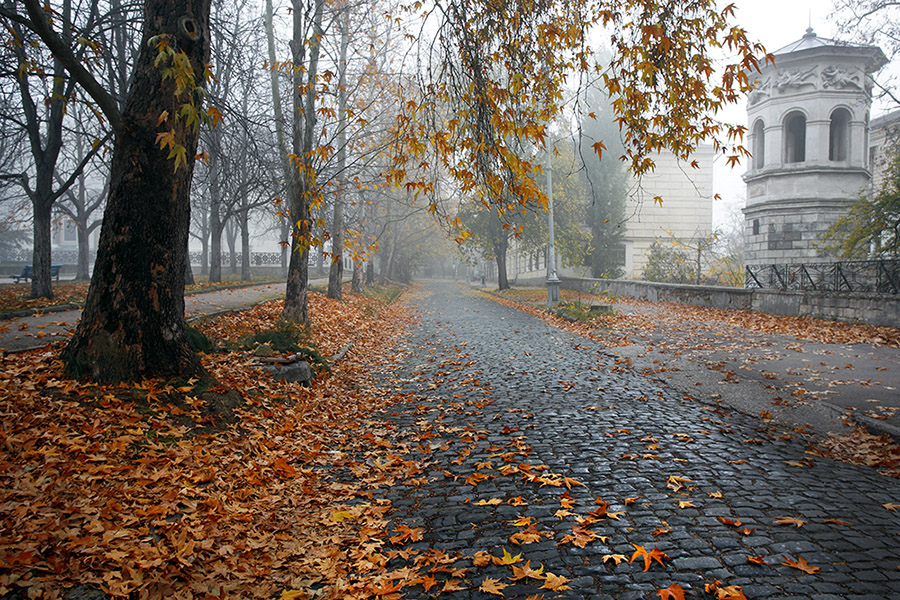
[809, 136]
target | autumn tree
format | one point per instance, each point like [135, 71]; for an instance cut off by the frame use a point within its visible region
[493, 77]
[871, 227]
[132, 325]
[45, 89]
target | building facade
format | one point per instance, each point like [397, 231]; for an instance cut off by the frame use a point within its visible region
[809, 138]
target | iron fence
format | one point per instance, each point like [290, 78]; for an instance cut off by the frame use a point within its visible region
[874, 276]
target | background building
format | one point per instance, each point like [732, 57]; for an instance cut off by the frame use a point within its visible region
[809, 136]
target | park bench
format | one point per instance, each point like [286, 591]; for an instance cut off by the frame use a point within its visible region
[28, 273]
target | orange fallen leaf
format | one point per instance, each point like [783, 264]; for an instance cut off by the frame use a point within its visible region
[790, 521]
[527, 571]
[555, 582]
[837, 522]
[801, 564]
[673, 592]
[891, 507]
[655, 554]
[757, 560]
[685, 504]
[617, 558]
[492, 586]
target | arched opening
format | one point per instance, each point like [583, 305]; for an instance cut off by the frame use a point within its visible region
[839, 135]
[795, 138]
[758, 147]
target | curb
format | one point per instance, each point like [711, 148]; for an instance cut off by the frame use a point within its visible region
[30, 312]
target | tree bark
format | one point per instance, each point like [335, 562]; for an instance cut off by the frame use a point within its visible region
[132, 326]
[296, 307]
[336, 272]
[356, 283]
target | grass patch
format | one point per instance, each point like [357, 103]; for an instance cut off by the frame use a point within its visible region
[286, 337]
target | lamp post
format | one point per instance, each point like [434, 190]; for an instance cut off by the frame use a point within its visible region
[553, 282]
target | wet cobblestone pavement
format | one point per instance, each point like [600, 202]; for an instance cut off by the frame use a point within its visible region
[544, 446]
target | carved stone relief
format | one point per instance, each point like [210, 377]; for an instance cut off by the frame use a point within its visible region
[842, 79]
[795, 78]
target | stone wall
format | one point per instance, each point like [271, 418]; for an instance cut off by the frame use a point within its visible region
[851, 307]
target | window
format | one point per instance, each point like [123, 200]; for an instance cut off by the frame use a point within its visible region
[755, 226]
[839, 135]
[795, 137]
[759, 144]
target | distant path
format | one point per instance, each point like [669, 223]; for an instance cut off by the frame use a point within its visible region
[501, 394]
[26, 333]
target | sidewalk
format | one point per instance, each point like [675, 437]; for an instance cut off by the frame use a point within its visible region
[36, 331]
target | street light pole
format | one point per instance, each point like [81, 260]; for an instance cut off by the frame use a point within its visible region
[553, 282]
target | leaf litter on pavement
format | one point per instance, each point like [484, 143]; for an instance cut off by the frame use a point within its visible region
[691, 328]
[137, 491]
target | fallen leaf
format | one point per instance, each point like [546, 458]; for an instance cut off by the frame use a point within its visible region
[790, 521]
[507, 558]
[655, 554]
[673, 592]
[757, 560]
[801, 564]
[685, 504]
[615, 557]
[527, 571]
[492, 586]
[891, 507]
[555, 582]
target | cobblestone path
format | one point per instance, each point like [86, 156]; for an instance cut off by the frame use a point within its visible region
[545, 447]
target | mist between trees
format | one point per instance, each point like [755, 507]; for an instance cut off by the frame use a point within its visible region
[376, 135]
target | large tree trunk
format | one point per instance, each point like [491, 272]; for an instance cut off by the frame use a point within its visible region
[132, 325]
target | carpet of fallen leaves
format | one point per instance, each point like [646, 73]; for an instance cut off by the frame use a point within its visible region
[625, 319]
[123, 489]
[16, 297]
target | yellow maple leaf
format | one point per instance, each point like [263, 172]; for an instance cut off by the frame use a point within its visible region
[614, 557]
[507, 558]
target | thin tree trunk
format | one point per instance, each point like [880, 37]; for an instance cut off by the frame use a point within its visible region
[245, 245]
[296, 307]
[132, 325]
[40, 257]
[336, 273]
[356, 283]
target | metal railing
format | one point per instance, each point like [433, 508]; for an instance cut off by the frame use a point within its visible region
[873, 276]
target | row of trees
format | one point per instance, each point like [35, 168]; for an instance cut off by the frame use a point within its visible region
[402, 116]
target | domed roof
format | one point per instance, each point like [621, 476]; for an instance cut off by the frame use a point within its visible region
[811, 42]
